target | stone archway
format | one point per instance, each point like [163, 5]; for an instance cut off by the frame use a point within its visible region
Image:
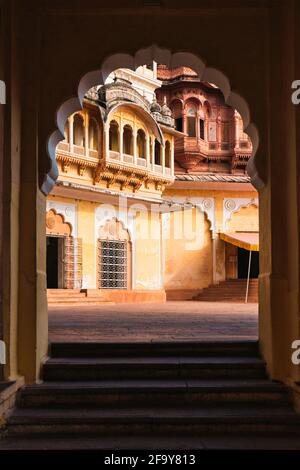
[271, 52]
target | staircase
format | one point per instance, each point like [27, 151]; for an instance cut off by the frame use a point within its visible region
[69, 297]
[231, 290]
[149, 391]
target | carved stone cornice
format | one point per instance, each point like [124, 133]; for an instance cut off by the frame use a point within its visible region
[67, 158]
[128, 177]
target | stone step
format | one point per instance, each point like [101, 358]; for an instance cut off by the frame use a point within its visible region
[78, 302]
[155, 392]
[72, 369]
[150, 420]
[231, 290]
[265, 442]
[161, 349]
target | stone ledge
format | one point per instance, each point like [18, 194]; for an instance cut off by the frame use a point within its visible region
[8, 392]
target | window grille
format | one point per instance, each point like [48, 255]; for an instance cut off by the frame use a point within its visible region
[72, 263]
[112, 262]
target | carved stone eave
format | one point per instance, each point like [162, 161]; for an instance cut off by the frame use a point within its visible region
[68, 159]
[128, 177]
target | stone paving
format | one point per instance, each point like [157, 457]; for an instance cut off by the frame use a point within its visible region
[170, 321]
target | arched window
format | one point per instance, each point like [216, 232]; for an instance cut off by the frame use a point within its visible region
[114, 256]
[176, 108]
[78, 130]
[66, 132]
[93, 135]
[157, 153]
[201, 126]
[150, 149]
[114, 136]
[168, 154]
[127, 140]
[141, 143]
[191, 122]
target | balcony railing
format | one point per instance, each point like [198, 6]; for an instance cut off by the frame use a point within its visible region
[141, 163]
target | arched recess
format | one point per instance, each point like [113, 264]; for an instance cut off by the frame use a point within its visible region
[141, 57]
[233, 205]
[127, 140]
[144, 115]
[141, 143]
[78, 130]
[168, 154]
[236, 222]
[114, 250]
[93, 134]
[176, 107]
[114, 136]
[56, 225]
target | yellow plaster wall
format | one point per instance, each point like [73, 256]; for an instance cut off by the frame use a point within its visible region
[86, 231]
[245, 219]
[148, 252]
[188, 262]
[193, 269]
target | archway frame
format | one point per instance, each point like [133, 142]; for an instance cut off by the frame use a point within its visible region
[141, 57]
[37, 61]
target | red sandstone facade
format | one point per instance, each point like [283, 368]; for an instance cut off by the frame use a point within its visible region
[214, 140]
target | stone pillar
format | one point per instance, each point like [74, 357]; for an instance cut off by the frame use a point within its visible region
[214, 258]
[148, 150]
[86, 134]
[71, 133]
[172, 157]
[121, 139]
[163, 157]
[153, 153]
[237, 130]
[134, 144]
[184, 122]
[10, 183]
[279, 239]
[32, 296]
[106, 140]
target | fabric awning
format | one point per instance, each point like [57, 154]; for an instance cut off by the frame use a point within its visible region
[247, 240]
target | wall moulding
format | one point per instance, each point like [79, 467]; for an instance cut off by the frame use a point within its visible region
[232, 205]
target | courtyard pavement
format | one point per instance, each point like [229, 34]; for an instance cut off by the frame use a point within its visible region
[170, 321]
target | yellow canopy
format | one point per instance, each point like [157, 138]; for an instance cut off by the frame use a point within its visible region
[247, 240]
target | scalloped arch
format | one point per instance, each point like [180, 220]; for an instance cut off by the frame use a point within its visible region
[141, 57]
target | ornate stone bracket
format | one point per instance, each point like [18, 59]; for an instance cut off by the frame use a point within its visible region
[232, 205]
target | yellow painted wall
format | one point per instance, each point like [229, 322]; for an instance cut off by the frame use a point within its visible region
[148, 254]
[86, 231]
[188, 261]
[245, 219]
[148, 263]
[187, 247]
[193, 269]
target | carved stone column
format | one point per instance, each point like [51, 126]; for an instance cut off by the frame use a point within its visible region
[71, 133]
[121, 140]
[86, 134]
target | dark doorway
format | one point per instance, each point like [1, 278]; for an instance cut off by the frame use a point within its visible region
[243, 260]
[52, 262]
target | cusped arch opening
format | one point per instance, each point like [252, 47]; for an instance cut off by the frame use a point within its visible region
[141, 57]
